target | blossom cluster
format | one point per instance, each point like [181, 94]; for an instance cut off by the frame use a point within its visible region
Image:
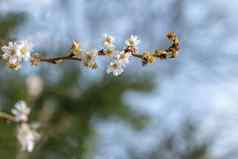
[26, 133]
[15, 53]
[121, 58]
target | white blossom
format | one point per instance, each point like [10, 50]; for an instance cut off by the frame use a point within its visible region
[25, 48]
[21, 111]
[8, 50]
[89, 58]
[133, 41]
[108, 41]
[119, 61]
[122, 58]
[15, 52]
[115, 68]
[27, 137]
[14, 62]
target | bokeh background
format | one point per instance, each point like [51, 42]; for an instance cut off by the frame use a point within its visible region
[185, 108]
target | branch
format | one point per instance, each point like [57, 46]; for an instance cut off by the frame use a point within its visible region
[7, 117]
[60, 59]
[16, 52]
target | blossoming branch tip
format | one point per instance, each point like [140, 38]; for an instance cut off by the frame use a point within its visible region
[15, 53]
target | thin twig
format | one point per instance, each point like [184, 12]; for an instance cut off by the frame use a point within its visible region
[60, 59]
[7, 117]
